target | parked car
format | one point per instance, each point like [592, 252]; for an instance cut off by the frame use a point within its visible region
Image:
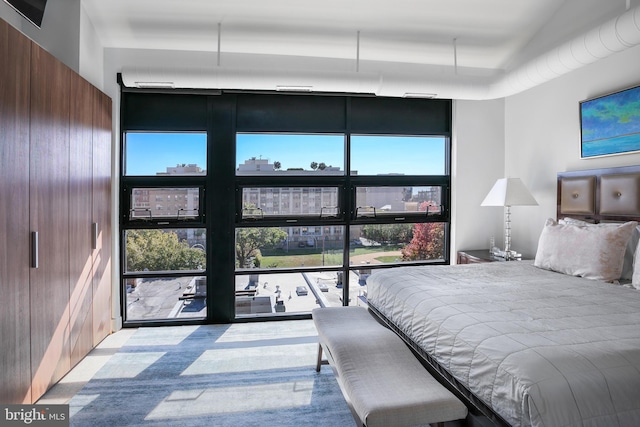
[309, 243]
[301, 290]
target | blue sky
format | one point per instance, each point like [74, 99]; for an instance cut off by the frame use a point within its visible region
[370, 155]
[292, 150]
[149, 153]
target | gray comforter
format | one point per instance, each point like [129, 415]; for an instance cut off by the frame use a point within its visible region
[540, 348]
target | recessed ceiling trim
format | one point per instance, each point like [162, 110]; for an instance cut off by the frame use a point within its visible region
[615, 35]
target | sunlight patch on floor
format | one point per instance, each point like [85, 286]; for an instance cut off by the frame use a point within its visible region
[80, 402]
[182, 404]
[128, 365]
[170, 335]
[268, 330]
[253, 359]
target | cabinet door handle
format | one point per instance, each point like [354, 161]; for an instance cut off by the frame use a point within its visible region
[34, 250]
[94, 235]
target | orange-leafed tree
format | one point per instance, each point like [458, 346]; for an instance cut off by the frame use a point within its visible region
[427, 241]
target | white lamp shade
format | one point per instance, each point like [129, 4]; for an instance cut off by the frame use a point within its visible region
[509, 192]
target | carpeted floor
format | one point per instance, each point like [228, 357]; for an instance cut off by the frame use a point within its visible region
[251, 374]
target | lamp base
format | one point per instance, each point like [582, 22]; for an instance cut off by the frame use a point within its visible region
[506, 255]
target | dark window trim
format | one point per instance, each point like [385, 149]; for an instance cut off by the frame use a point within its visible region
[288, 219]
[161, 222]
[219, 118]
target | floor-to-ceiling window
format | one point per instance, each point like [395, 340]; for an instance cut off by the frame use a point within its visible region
[255, 206]
[165, 237]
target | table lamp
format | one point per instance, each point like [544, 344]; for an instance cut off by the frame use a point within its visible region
[508, 192]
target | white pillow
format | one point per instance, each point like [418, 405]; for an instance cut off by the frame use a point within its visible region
[567, 220]
[629, 253]
[592, 252]
[635, 278]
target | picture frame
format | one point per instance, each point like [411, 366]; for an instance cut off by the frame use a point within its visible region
[610, 124]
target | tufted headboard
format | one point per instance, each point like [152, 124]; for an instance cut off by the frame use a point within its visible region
[597, 195]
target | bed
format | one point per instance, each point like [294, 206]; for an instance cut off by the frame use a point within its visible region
[550, 342]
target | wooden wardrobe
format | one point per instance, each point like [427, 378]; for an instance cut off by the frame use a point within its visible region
[55, 219]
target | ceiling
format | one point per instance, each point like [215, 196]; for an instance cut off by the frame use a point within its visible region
[472, 37]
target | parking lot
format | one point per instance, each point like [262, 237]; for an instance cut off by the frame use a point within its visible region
[322, 289]
[168, 298]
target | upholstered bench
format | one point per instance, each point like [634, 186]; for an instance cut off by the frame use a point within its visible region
[381, 379]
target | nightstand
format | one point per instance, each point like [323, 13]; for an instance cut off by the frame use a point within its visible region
[476, 256]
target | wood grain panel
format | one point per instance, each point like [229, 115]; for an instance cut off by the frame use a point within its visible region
[80, 218]
[49, 213]
[102, 215]
[15, 368]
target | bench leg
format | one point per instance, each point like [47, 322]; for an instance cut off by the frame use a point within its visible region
[319, 362]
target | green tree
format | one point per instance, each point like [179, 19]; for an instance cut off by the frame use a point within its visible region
[384, 233]
[322, 166]
[158, 250]
[427, 241]
[277, 165]
[250, 240]
[314, 165]
[250, 209]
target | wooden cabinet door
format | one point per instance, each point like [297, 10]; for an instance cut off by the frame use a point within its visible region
[15, 366]
[49, 217]
[80, 218]
[102, 216]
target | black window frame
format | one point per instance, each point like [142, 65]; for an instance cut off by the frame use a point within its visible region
[223, 115]
[132, 184]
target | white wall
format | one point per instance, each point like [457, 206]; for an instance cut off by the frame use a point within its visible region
[542, 136]
[90, 52]
[477, 162]
[111, 88]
